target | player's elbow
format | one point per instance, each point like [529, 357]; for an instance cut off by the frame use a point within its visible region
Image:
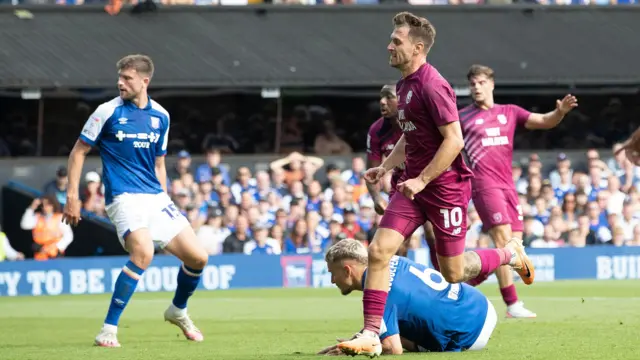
[80, 150]
[457, 142]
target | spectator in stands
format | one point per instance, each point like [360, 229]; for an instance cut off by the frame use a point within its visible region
[350, 226]
[235, 242]
[243, 183]
[58, 187]
[587, 234]
[277, 234]
[329, 143]
[212, 234]
[563, 165]
[628, 222]
[261, 243]
[181, 167]
[212, 167]
[548, 240]
[292, 165]
[51, 236]
[7, 252]
[298, 242]
[292, 136]
[93, 199]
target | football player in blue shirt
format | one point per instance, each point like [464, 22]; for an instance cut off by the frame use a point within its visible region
[131, 132]
[423, 311]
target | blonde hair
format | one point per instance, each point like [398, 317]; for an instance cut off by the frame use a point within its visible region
[347, 249]
[140, 63]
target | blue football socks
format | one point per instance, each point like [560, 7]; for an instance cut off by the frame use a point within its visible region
[124, 289]
[188, 280]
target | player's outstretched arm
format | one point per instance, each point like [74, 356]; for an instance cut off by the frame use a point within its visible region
[397, 155]
[552, 119]
[74, 166]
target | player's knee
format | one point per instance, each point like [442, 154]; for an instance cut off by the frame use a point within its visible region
[452, 274]
[453, 277]
[198, 260]
[382, 249]
[141, 255]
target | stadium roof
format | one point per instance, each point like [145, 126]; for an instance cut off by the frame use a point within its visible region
[315, 46]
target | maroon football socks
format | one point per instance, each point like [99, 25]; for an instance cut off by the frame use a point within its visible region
[373, 303]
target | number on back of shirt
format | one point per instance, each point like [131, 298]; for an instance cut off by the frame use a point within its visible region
[451, 217]
[439, 284]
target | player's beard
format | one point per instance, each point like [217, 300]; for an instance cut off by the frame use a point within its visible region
[128, 95]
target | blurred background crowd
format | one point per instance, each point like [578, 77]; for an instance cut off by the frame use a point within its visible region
[328, 2]
[289, 209]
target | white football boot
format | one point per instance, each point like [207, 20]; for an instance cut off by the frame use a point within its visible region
[108, 337]
[181, 319]
[518, 310]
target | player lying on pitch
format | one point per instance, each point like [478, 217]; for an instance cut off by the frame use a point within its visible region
[424, 313]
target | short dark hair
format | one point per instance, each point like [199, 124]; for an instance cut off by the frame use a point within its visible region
[476, 70]
[140, 63]
[419, 28]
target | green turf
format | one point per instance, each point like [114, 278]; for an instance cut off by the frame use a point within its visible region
[576, 320]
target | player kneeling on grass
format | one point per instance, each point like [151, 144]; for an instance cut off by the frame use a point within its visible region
[424, 313]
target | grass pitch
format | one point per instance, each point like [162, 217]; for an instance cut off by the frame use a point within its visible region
[576, 320]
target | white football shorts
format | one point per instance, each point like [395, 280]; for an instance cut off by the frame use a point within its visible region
[156, 212]
[489, 325]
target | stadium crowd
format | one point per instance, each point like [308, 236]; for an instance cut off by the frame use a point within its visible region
[291, 210]
[329, 2]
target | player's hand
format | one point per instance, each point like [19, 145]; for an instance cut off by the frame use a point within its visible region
[411, 187]
[374, 175]
[71, 213]
[35, 203]
[330, 350]
[380, 206]
[566, 104]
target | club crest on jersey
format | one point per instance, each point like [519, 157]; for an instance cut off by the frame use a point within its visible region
[155, 122]
[502, 119]
[409, 96]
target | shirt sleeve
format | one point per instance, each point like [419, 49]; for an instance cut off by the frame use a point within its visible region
[29, 220]
[161, 145]
[67, 237]
[521, 115]
[440, 101]
[9, 251]
[389, 325]
[93, 127]
[373, 145]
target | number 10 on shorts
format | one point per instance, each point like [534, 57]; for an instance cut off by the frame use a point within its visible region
[451, 217]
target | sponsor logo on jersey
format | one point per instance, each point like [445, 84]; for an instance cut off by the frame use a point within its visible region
[147, 139]
[92, 128]
[155, 122]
